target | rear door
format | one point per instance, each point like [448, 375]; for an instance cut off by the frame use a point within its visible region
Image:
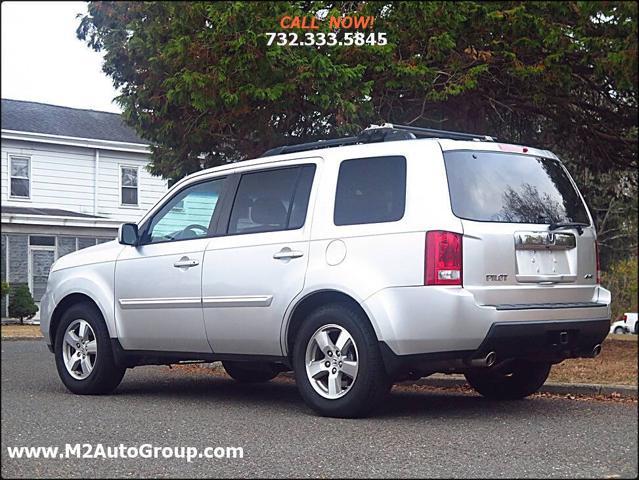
[255, 266]
[512, 257]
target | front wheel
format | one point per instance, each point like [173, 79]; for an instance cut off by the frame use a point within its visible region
[520, 379]
[83, 353]
[338, 366]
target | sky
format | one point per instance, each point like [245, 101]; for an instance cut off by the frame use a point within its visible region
[43, 61]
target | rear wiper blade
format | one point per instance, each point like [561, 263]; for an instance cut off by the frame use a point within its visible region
[578, 225]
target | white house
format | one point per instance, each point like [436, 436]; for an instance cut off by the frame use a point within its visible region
[69, 178]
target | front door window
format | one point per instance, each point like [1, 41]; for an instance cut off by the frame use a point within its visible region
[187, 215]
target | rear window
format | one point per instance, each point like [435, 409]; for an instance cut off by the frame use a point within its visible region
[370, 190]
[511, 188]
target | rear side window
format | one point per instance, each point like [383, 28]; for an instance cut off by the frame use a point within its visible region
[272, 200]
[370, 190]
[511, 188]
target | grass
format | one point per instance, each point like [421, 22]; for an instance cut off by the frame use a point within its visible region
[617, 365]
[20, 331]
[623, 337]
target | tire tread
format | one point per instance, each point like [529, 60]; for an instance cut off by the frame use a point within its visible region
[525, 380]
[106, 375]
[376, 384]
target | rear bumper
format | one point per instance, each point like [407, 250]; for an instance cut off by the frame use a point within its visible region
[551, 341]
[544, 340]
[424, 320]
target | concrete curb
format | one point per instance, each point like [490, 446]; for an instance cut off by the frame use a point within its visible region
[15, 339]
[15, 321]
[555, 388]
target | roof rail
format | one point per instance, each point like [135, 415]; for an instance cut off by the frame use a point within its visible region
[434, 133]
[379, 133]
[301, 147]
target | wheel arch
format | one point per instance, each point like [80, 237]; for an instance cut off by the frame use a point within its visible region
[64, 304]
[312, 300]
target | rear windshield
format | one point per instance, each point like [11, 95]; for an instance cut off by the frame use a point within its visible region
[511, 188]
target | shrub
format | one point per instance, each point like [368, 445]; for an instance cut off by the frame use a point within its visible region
[621, 280]
[21, 304]
[4, 289]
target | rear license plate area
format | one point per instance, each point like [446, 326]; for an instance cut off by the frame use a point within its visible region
[542, 262]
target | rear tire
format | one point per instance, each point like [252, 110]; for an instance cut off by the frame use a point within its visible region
[521, 379]
[251, 372]
[619, 330]
[83, 354]
[355, 380]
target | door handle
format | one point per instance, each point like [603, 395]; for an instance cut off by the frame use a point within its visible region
[287, 253]
[185, 262]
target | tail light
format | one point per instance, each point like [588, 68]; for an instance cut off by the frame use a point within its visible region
[625, 318]
[597, 262]
[443, 258]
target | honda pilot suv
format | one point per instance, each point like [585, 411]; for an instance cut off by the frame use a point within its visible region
[355, 262]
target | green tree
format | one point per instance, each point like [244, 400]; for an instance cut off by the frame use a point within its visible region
[621, 280]
[4, 289]
[612, 199]
[21, 304]
[200, 83]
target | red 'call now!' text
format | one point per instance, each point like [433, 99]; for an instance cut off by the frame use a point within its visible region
[312, 23]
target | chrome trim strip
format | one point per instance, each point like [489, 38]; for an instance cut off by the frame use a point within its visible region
[190, 302]
[182, 302]
[548, 306]
[544, 240]
[238, 301]
[546, 278]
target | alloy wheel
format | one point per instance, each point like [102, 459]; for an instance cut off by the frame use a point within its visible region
[79, 349]
[331, 361]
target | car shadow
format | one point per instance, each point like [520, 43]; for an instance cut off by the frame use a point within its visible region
[282, 394]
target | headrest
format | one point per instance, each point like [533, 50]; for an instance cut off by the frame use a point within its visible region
[268, 211]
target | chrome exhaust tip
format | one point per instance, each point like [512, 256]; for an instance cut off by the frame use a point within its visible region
[596, 351]
[487, 361]
[491, 359]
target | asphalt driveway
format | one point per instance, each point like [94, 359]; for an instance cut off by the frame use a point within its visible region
[417, 434]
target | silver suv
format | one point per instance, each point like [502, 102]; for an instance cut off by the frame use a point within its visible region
[355, 262]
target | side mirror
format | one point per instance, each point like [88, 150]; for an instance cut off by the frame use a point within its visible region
[128, 234]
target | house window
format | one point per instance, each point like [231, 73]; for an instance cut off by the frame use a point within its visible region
[41, 241]
[129, 185]
[20, 182]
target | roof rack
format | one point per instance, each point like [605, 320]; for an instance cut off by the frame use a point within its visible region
[379, 133]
